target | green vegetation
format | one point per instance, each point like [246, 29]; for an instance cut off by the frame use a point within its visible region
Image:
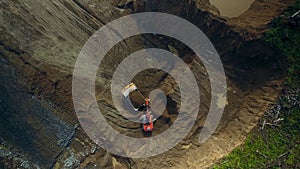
[287, 39]
[277, 145]
[273, 147]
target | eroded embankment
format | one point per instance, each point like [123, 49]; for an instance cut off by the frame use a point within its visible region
[29, 125]
[43, 45]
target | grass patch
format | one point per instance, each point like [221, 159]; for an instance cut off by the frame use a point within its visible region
[276, 146]
[287, 39]
[272, 147]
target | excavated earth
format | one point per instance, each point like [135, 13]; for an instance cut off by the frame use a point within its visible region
[39, 44]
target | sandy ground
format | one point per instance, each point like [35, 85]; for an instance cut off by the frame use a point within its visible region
[43, 49]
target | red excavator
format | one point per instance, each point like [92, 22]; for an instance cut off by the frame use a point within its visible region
[148, 122]
[139, 103]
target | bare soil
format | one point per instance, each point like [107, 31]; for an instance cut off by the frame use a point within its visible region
[42, 46]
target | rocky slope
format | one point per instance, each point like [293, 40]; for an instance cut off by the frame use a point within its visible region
[41, 40]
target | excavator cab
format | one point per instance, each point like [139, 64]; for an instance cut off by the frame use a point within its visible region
[148, 127]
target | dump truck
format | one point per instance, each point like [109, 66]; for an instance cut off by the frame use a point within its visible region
[134, 97]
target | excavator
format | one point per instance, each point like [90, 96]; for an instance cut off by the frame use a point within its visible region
[137, 101]
[147, 118]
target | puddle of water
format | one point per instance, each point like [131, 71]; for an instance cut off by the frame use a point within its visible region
[232, 8]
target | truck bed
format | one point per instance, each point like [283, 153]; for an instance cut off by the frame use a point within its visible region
[137, 99]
